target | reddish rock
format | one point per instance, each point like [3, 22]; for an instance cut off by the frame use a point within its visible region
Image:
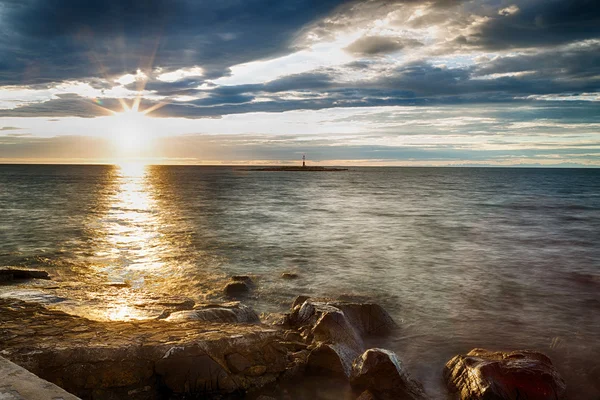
[380, 371]
[487, 375]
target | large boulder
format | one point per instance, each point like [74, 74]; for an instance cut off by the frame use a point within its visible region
[487, 375]
[339, 322]
[381, 372]
[224, 313]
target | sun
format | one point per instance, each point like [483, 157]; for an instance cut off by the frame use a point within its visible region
[131, 134]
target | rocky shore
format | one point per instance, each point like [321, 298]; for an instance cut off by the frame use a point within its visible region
[224, 351]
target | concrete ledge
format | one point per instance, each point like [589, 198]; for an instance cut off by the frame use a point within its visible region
[17, 383]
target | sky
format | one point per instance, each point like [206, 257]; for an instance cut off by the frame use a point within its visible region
[371, 82]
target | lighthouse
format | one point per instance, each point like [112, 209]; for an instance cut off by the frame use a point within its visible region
[303, 160]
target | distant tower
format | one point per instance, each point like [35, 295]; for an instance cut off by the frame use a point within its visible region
[303, 160]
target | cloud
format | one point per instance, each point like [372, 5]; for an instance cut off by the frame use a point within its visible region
[375, 45]
[536, 24]
[113, 37]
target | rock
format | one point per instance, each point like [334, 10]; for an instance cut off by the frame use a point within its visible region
[9, 274]
[256, 370]
[118, 284]
[242, 278]
[236, 289]
[17, 383]
[487, 375]
[334, 327]
[366, 395]
[289, 275]
[224, 313]
[191, 370]
[340, 322]
[140, 360]
[331, 360]
[237, 363]
[367, 318]
[182, 303]
[380, 371]
[299, 300]
[292, 336]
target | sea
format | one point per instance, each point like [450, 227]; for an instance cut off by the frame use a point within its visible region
[462, 258]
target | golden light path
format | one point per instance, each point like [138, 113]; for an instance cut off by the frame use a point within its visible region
[131, 238]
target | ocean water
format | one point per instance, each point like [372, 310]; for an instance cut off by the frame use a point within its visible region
[461, 257]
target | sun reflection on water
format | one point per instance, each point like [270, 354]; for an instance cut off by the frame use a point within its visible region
[132, 243]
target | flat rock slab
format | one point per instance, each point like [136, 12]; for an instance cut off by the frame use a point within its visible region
[9, 274]
[16, 383]
[106, 360]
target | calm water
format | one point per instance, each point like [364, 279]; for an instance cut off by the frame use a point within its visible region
[462, 258]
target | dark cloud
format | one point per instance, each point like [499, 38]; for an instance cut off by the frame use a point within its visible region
[538, 23]
[375, 45]
[9, 128]
[44, 41]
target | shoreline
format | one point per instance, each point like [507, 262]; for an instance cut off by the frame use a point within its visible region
[225, 351]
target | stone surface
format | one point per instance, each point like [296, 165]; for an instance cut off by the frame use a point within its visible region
[114, 360]
[9, 274]
[16, 383]
[366, 395]
[242, 278]
[331, 360]
[487, 375]
[339, 322]
[380, 371]
[236, 289]
[224, 313]
[289, 275]
[299, 300]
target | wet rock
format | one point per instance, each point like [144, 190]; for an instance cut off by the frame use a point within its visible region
[237, 362]
[340, 322]
[236, 289]
[142, 359]
[331, 360]
[334, 327]
[243, 278]
[118, 284]
[9, 274]
[487, 375]
[367, 318]
[255, 370]
[289, 275]
[191, 370]
[292, 336]
[299, 300]
[224, 313]
[366, 395]
[381, 372]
